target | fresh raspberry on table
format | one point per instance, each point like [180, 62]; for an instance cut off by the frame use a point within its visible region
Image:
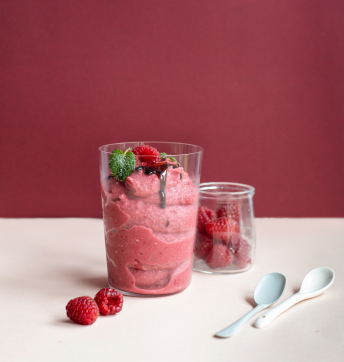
[203, 245]
[109, 300]
[242, 254]
[147, 154]
[82, 310]
[222, 228]
[204, 216]
[230, 210]
[219, 257]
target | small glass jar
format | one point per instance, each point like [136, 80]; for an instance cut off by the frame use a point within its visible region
[226, 237]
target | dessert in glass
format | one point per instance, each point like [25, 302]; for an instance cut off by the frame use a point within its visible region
[150, 199]
[226, 237]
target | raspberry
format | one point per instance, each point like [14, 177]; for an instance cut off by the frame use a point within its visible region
[110, 301]
[242, 254]
[139, 163]
[147, 154]
[203, 245]
[204, 216]
[233, 242]
[82, 310]
[231, 210]
[219, 256]
[222, 228]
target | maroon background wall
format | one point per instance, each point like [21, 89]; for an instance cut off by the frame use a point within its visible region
[258, 84]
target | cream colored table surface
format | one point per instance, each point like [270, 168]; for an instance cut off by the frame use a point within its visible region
[46, 262]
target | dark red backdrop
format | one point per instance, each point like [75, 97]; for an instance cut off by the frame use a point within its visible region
[258, 84]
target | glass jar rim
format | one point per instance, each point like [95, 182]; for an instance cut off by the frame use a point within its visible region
[218, 190]
[199, 149]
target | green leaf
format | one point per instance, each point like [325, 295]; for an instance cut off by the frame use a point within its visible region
[164, 155]
[122, 164]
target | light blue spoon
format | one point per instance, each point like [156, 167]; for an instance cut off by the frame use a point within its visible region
[268, 290]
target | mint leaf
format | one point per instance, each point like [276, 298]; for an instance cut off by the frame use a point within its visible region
[122, 163]
[164, 155]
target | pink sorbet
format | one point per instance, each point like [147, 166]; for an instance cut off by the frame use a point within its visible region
[150, 247]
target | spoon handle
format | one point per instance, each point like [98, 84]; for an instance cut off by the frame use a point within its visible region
[268, 317]
[234, 328]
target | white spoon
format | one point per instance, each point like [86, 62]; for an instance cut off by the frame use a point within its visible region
[314, 284]
[268, 290]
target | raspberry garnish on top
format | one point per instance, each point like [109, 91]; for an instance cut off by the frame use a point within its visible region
[82, 310]
[147, 154]
[109, 301]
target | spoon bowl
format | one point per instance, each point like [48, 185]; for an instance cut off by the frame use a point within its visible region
[317, 281]
[268, 290]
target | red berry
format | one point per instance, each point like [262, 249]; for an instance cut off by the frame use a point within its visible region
[147, 154]
[232, 242]
[204, 216]
[222, 228]
[203, 245]
[110, 301]
[139, 163]
[82, 310]
[242, 254]
[230, 210]
[219, 257]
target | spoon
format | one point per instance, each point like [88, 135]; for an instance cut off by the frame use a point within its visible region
[314, 284]
[268, 290]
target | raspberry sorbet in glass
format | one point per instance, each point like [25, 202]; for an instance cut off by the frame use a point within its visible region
[150, 198]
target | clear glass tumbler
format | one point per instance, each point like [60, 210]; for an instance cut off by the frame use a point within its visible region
[150, 217]
[226, 237]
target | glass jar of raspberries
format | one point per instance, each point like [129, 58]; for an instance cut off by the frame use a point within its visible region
[226, 237]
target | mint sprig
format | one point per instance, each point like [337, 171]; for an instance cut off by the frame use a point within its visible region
[164, 155]
[122, 164]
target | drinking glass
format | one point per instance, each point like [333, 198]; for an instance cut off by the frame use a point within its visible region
[150, 218]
